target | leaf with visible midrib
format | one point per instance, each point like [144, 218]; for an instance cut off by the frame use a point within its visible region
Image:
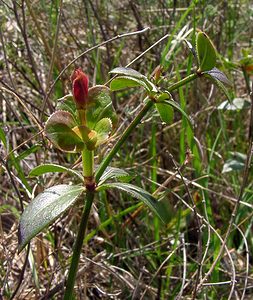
[157, 207]
[52, 168]
[46, 208]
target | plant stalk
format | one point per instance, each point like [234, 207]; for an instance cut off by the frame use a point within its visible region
[88, 171]
[122, 139]
[88, 163]
[104, 164]
[78, 246]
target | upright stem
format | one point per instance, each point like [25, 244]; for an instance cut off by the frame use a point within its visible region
[78, 247]
[122, 139]
[88, 163]
[88, 172]
[133, 125]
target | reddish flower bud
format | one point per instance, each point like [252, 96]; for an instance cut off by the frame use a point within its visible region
[80, 83]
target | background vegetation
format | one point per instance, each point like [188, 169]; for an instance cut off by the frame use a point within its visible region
[129, 254]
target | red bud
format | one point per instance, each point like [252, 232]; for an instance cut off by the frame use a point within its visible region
[80, 83]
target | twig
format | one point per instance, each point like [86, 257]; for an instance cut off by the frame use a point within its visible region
[23, 31]
[179, 295]
[247, 261]
[24, 106]
[208, 235]
[159, 269]
[5, 57]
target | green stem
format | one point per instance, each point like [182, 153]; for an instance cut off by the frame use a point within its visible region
[88, 163]
[133, 125]
[182, 82]
[122, 139]
[78, 247]
[88, 171]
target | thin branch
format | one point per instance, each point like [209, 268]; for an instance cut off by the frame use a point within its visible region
[180, 294]
[247, 261]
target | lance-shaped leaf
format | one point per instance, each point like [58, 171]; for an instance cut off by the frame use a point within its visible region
[177, 107]
[59, 129]
[157, 207]
[111, 172]
[127, 72]
[220, 85]
[99, 106]
[130, 78]
[46, 208]
[123, 82]
[206, 52]
[53, 168]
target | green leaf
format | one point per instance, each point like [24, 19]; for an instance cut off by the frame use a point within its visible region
[100, 106]
[52, 168]
[130, 78]
[158, 208]
[44, 209]
[166, 112]
[111, 172]
[59, 129]
[177, 107]
[27, 152]
[127, 72]
[103, 129]
[206, 52]
[123, 82]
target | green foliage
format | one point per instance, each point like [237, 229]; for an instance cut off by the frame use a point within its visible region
[60, 130]
[46, 208]
[100, 106]
[166, 112]
[63, 127]
[114, 173]
[131, 78]
[206, 52]
[210, 122]
[157, 207]
[52, 168]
